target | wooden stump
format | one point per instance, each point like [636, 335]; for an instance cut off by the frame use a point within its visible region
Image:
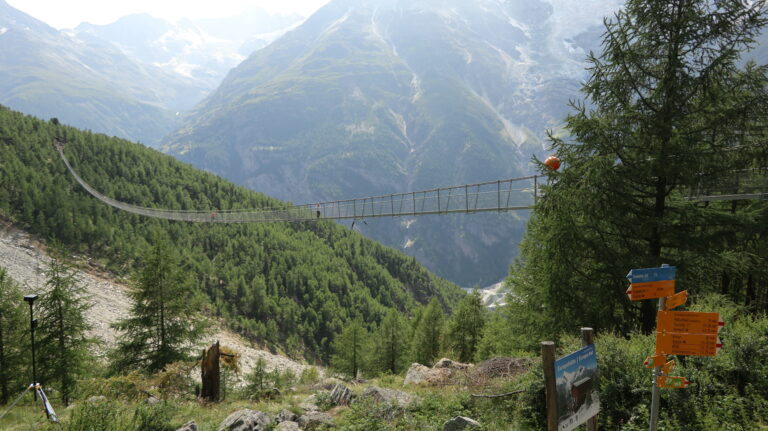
[211, 377]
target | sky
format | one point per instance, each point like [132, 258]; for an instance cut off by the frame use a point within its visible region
[62, 14]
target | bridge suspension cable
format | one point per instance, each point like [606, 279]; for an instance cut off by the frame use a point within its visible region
[501, 195]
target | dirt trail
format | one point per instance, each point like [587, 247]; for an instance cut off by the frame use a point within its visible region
[25, 261]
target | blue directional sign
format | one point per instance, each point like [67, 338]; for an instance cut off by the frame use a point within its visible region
[646, 275]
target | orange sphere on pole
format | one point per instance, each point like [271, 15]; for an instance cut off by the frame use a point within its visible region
[552, 163]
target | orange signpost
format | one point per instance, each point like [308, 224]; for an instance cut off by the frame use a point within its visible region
[689, 322]
[655, 361]
[672, 382]
[676, 300]
[651, 290]
[678, 332]
[671, 343]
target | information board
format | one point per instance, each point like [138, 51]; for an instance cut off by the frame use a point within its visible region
[576, 380]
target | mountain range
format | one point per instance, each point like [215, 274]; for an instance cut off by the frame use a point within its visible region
[132, 78]
[364, 98]
[383, 96]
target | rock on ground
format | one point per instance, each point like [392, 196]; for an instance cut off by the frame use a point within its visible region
[313, 420]
[341, 395]
[309, 404]
[416, 374]
[246, 420]
[389, 396]
[448, 373]
[460, 423]
[448, 363]
[287, 426]
[189, 426]
[286, 416]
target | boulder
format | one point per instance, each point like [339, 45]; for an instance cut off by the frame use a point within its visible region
[286, 416]
[460, 423]
[287, 426]
[313, 420]
[189, 426]
[309, 404]
[246, 420]
[416, 374]
[341, 395]
[450, 364]
[389, 396]
[420, 375]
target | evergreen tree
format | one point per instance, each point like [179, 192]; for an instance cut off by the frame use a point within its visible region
[256, 380]
[62, 344]
[163, 320]
[666, 106]
[349, 348]
[465, 329]
[12, 337]
[428, 337]
[391, 346]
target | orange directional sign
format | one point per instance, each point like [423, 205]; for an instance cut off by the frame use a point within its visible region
[651, 289]
[689, 322]
[671, 343]
[672, 382]
[676, 300]
[655, 361]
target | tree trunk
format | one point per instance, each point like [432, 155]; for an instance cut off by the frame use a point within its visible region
[211, 376]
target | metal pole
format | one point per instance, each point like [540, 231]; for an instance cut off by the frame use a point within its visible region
[588, 338]
[655, 394]
[32, 323]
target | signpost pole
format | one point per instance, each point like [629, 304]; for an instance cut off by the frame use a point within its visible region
[655, 394]
[550, 386]
[587, 338]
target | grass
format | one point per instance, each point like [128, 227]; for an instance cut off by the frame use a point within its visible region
[432, 407]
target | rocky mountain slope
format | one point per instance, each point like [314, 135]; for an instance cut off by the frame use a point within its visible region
[25, 260]
[381, 96]
[203, 50]
[87, 82]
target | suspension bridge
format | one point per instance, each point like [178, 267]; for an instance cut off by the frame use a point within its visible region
[501, 195]
[493, 196]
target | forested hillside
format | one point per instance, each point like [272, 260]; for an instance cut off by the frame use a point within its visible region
[292, 285]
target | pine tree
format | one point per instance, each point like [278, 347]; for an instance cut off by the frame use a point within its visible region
[349, 348]
[666, 106]
[62, 344]
[466, 327]
[12, 337]
[163, 318]
[391, 346]
[428, 337]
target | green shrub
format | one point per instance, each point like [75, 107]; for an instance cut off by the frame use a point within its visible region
[309, 376]
[100, 416]
[155, 417]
